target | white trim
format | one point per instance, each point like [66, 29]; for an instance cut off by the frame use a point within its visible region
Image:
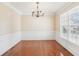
[9, 5]
[57, 34]
[37, 35]
[8, 41]
[67, 7]
[69, 46]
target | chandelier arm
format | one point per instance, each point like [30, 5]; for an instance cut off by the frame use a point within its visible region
[37, 6]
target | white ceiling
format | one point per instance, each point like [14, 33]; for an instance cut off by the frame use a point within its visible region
[26, 8]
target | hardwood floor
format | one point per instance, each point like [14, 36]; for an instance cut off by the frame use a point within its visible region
[37, 48]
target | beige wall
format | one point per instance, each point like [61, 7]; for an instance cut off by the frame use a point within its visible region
[10, 28]
[37, 27]
[34, 24]
[9, 20]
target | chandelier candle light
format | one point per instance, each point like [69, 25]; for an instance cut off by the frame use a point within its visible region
[38, 12]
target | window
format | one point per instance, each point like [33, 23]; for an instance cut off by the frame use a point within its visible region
[69, 25]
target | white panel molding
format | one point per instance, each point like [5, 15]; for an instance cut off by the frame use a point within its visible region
[37, 35]
[69, 46]
[13, 8]
[56, 35]
[8, 41]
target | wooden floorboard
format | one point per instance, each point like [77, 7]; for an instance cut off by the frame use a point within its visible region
[37, 48]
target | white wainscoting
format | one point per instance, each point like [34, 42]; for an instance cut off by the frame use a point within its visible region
[38, 35]
[69, 46]
[9, 40]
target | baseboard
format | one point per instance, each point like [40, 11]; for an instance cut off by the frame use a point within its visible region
[38, 39]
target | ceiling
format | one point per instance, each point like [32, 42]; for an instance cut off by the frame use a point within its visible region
[26, 8]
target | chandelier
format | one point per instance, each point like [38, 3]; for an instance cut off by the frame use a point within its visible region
[37, 12]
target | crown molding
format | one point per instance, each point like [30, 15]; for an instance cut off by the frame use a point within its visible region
[64, 8]
[9, 5]
[67, 7]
